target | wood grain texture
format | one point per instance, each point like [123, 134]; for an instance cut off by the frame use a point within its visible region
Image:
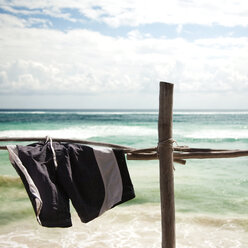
[166, 165]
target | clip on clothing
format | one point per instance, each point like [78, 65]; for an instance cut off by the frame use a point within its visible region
[95, 179]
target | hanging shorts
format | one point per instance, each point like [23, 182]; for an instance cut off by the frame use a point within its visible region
[95, 179]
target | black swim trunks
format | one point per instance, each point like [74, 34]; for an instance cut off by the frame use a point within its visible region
[95, 179]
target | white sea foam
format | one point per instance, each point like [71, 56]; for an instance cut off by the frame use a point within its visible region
[86, 132]
[136, 226]
[23, 112]
[114, 112]
[83, 132]
[218, 134]
[228, 112]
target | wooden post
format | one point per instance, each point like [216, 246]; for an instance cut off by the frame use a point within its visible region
[165, 152]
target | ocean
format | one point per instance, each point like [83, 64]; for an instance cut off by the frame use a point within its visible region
[211, 195]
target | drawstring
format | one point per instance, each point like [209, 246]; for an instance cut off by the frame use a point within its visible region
[49, 139]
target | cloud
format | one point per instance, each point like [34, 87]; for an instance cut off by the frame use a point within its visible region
[45, 61]
[11, 21]
[139, 12]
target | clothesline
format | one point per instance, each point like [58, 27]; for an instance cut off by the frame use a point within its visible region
[86, 142]
[180, 153]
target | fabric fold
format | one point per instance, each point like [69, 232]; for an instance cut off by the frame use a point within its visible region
[95, 179]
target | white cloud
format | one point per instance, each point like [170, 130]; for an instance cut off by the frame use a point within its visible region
[11, 21]
[135, 12]
[9, 8]
[38, 21]
[44, 61]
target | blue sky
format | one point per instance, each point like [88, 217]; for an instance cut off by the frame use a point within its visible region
[111, 54]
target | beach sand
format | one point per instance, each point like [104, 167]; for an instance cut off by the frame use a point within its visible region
[133, 226]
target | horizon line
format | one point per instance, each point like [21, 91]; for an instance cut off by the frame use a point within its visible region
[122, 109]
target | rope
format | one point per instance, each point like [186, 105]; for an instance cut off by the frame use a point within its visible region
[168, 144]
[49, 139]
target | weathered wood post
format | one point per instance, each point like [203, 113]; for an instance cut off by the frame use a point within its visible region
[165, 151]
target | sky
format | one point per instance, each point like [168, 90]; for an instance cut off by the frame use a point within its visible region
[113, 54]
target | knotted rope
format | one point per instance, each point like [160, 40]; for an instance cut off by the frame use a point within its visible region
[168, 144]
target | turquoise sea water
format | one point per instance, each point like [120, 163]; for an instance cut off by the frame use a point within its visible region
[210, 195]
